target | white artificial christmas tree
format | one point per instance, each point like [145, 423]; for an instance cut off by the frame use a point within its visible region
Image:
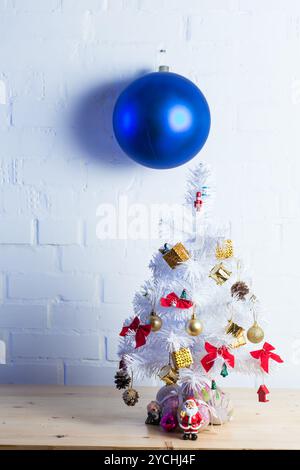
[222, 320]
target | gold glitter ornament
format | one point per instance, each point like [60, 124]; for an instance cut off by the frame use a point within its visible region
[155, 322]
[182, 358]
[225, 250]
[220, 274]
[255, 334]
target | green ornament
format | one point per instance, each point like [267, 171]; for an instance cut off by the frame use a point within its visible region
[183, 294]
[205, 394]
[213, 385]
[224, 371]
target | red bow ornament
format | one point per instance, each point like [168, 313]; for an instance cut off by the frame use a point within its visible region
[141, 331]
[172, 300]
[264, 355]
[213, 352]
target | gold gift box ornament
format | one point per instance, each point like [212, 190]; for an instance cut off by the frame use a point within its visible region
[220, 274]
[182, 358]
[225, 250]
[238, 332]
[175, 255]
[168, 374]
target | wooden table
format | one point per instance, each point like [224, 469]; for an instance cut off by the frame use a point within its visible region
[51, 417]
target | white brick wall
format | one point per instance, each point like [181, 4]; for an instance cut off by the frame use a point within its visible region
[64, 294]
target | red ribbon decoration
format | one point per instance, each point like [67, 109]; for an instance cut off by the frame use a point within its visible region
[264, 355]
[172, 300]
[141, 331]
[213, 352]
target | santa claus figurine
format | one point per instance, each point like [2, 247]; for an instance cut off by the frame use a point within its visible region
[189, 419]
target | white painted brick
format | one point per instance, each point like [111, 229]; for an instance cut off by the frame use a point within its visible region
[219, 26]
[50, 286]
[73, 316]
[190, 6]
[2, 352]
[28, 113]
[71, 199]
[111, 318]
[27, 143]
[76, 374]
[27, 83]
[36, 373]
[112, 343]
[24, 259]
[3, 95]
[258, 6]
[144, 27]
[117, 290]
[59, 231]
[83, 346]
[10, 170]
[14, 199]
[109, 257]
[54, 173]
[75, 8]
[16, 230]
[2, 286]
[4, 116]
[257, 117]
[23, 316]
[32, 6]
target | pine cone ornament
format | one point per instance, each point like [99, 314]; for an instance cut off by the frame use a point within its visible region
[122, 379]
[130, 397]
[239, 290]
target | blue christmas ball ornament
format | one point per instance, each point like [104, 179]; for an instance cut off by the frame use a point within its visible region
[161, 120]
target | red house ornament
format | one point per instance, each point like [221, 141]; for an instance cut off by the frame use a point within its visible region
[262, 393]
[198, 201]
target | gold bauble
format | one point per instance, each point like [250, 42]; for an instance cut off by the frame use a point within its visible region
[255, 334]
[155, 322]
[194, 327]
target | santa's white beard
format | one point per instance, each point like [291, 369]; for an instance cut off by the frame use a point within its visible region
[190, 411]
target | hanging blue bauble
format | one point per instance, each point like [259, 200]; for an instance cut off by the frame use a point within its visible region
[161, 120]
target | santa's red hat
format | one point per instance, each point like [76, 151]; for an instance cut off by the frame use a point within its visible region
[190, 399]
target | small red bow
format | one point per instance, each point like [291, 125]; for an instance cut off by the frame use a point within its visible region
[141, 331]
[264, 355]
[213, 352]
[172, 300]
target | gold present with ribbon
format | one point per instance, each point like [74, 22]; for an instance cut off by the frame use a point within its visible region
[182, 358]
[175, 255]
[220, 274]
[238, 333]
[225, 250]
[168, 374]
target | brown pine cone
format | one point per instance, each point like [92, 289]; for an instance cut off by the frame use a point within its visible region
[130, 397]
[239, 290]
[122, 379]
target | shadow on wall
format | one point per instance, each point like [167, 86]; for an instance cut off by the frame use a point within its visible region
[91, 123]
